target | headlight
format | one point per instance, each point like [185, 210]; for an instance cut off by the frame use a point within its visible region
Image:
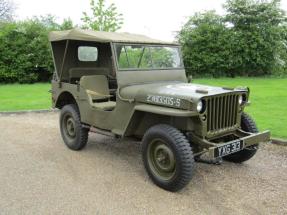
[199, 106]
[240, 100]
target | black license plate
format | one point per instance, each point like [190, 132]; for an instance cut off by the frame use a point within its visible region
[228, 148]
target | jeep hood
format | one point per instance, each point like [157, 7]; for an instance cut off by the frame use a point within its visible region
[162, 93]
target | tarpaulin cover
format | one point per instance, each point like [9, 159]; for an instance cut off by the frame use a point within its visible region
[100, 36]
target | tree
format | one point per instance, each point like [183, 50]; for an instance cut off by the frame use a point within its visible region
[6, 10]
[257, 38]
[67, 24]
[249, 40]
[204, 39]
[103, 18]
[281, 66]
[25, 55]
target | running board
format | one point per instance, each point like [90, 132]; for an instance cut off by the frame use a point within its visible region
[99, 131]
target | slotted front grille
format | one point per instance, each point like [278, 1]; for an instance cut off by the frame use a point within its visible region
[221, 112]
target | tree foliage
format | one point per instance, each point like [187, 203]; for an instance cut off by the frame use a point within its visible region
[248, 40]
[103, 18]
[204, 44]
[6, 10]
[25, 51]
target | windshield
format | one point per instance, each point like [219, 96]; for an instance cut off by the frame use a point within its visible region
[148, 57]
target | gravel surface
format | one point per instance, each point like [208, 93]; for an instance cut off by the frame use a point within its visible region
[39, 175]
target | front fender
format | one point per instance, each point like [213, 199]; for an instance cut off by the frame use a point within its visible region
[145, 116]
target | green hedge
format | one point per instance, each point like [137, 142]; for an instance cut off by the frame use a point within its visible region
[249, 40]
[25, 50]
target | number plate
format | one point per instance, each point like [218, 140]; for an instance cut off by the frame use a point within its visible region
[228, 148]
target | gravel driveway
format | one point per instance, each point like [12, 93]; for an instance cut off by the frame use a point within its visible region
[39, 175]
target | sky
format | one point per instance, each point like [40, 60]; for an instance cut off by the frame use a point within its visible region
[159, 19]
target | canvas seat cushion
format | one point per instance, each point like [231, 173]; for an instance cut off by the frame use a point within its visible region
[96, 83]
[110, 105]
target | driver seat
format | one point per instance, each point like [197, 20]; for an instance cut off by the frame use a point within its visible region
[97, 89]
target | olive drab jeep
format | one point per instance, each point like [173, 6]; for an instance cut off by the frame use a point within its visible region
[131, 86]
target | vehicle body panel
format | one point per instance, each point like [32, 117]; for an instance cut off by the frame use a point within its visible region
[144, 97]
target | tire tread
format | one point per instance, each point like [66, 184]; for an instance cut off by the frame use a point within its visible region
[82, 132]
[184, 152]
[249, 125]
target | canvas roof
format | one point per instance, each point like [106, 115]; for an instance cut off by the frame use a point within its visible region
[100, 36]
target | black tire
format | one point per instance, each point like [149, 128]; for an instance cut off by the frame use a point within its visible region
[74, 135]
[177, 147]
[247, 124]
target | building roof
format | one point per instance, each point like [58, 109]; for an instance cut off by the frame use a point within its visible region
[101, 36]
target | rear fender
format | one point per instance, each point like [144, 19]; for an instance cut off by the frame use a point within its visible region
[65, 98]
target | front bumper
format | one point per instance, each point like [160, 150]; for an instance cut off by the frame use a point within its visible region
[249, 140]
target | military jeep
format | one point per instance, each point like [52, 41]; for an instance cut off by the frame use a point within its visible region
[131, 86]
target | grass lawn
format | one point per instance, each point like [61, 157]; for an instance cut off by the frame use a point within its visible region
[15, 97]
[268, 99]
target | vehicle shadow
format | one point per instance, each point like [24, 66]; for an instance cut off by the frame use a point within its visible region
[121, 152]
[125, 155]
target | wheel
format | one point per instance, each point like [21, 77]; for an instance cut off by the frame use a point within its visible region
[73, 134]
[167, 157]
[247, 124]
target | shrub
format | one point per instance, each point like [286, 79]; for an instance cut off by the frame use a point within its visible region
[250, 40]
[25, 55]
